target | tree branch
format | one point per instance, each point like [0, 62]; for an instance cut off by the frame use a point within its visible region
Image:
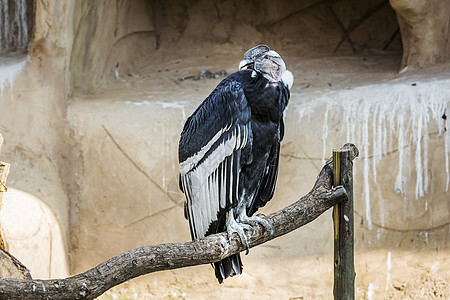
[148, 259]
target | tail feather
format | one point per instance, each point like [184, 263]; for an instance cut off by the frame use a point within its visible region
[228, 267]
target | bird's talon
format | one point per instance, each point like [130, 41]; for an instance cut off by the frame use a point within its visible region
[256, 221]
[233, 226]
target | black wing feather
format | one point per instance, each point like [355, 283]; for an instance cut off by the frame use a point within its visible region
[268, 182]
[210, 154]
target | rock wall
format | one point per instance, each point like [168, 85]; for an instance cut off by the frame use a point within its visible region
[92, 118]
[115, 39]
[425, 27]
[109, 36]
[33, 106]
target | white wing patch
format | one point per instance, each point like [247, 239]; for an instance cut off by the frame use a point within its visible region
[190, 163]
[206, 175]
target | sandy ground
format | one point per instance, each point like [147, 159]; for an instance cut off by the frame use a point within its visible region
[167, 70]
[380, 274]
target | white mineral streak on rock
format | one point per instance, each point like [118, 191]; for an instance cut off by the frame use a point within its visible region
[447, 153]
[180, 105]
[388, 276]
[371, 291]
[382, 119]
[9, 69]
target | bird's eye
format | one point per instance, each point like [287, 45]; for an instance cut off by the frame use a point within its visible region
[265, 56]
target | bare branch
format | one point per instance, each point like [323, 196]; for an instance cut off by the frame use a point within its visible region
[148, 259]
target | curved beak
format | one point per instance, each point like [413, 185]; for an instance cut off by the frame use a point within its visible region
[246, 64]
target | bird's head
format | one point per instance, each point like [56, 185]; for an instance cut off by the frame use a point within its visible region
[268, 62]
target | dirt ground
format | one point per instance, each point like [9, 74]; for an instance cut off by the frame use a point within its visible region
[380, 274]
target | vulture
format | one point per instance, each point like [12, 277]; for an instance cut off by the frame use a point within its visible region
[229, 151]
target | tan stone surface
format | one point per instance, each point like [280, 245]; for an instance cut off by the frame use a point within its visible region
[425, 26]
[94, 117]
[34, 235]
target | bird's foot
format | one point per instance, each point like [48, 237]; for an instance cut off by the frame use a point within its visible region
[255, 221]
[233, 226]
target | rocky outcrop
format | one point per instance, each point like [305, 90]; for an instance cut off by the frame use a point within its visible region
[425, 28]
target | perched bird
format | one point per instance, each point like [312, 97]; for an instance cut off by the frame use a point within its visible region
[229, 151]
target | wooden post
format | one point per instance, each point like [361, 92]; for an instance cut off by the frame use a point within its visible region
[344, 270]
